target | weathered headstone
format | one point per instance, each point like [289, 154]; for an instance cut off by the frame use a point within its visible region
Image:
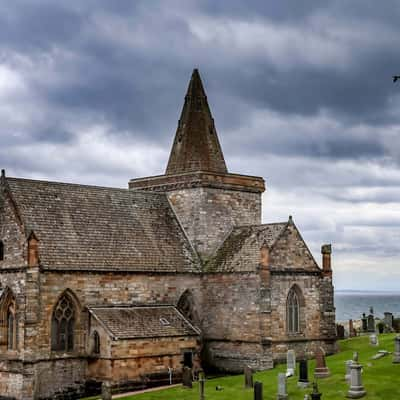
[321, 370]
[303, 374]
[106, 391]
[351, 328]
[282, 391]
[371, 322]
[315, 395]
[248, 377]
[388, 320]
[373, 340]
[396, 353]
[202, 381]
[340, 331]
[258, 391]
[364, 323]
[187, 377]
[290, 363]
[356, 387]
[348, 370]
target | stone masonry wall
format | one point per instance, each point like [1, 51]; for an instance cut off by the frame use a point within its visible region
[207, 215]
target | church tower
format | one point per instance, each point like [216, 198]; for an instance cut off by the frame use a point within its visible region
[207, 199]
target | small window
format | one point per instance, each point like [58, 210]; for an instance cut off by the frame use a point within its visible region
[164, 321]
[1, 251]
[96, 343]
[11, 327]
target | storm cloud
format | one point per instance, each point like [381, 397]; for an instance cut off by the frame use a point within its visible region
[301, 93]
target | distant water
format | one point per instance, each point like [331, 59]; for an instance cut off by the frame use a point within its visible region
[351, 304]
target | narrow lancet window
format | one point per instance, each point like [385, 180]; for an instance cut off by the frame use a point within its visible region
[293, 312]
[1, 250]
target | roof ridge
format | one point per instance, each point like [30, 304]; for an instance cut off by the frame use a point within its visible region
[78, 185]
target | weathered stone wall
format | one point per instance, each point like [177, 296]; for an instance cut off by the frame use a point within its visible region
[11, 233]
[11, 384]
[207, 214]
[231, 325]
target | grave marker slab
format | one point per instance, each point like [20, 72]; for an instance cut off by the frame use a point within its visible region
[282, 391]
[258, 391]
[321, 370]
[248, 377]
[356, 389]
[106, 391]
[303, 374]
[187, 377]
[396, 353]
[290, 363]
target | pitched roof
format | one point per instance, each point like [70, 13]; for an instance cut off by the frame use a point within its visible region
[143, 322]
[196, 146]
[97, 228]
[240, 250]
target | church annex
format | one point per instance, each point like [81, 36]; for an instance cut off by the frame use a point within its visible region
[128, 285]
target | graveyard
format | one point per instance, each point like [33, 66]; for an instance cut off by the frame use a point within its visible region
[379, 377]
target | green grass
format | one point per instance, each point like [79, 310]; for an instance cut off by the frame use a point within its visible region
[381, 378]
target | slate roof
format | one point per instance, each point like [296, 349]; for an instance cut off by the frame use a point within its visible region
[97, 228]
[240, 250]
[143, 322]
[196, 146]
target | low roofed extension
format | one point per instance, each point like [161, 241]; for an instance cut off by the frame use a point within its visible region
[97, 228]
[143, 322]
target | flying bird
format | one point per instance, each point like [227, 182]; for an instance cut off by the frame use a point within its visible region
[396, 78]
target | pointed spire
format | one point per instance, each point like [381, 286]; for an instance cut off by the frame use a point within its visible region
[196, 146]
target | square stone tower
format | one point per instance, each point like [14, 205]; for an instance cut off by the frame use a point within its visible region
[207, 199]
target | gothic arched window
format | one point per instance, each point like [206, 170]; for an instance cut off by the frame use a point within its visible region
[1, 251]
[11, 326]
[63, 325]
[96, 343]
[293, 312]
[187, 307]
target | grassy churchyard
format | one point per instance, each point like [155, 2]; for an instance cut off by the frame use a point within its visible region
[381, 378]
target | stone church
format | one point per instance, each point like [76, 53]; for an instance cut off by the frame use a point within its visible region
[129, 285]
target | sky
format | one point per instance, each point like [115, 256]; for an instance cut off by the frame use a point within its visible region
[301, 93]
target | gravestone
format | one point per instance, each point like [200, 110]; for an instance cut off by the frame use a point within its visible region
[396, 353]
[348, 370]
[303, 374]
[282, 392]
[373, 340]
[351, 328]
[371, 320]
[106, 391]
[356, 387]
[340, 331]
[187, 377]
[364, 323]
[321, 370]
[388, 320]
[202, 381]
[315, 395]
[248, 377]
[258, 391]
[290, 363]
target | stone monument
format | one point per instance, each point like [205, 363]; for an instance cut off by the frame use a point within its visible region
[373, 340]
[315, 395]
[282, 391]
[187, 377]
[290, 363]
[371, 320]
[202, 381]
[106, 391]
[396, 353]
[321, 370]
[248, 377]
[388, 320]
[364, 323]
[348, 370]
[351, 328]
[303, 374]
[356, 390]
[258, 391]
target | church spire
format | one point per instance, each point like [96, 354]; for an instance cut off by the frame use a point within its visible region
[196, 146]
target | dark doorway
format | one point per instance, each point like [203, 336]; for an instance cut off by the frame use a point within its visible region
[188, 359]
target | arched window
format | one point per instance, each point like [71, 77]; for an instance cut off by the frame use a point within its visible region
[11, 326]
[63, 325]
[1, 251]
[293, 312]
[96, 343]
